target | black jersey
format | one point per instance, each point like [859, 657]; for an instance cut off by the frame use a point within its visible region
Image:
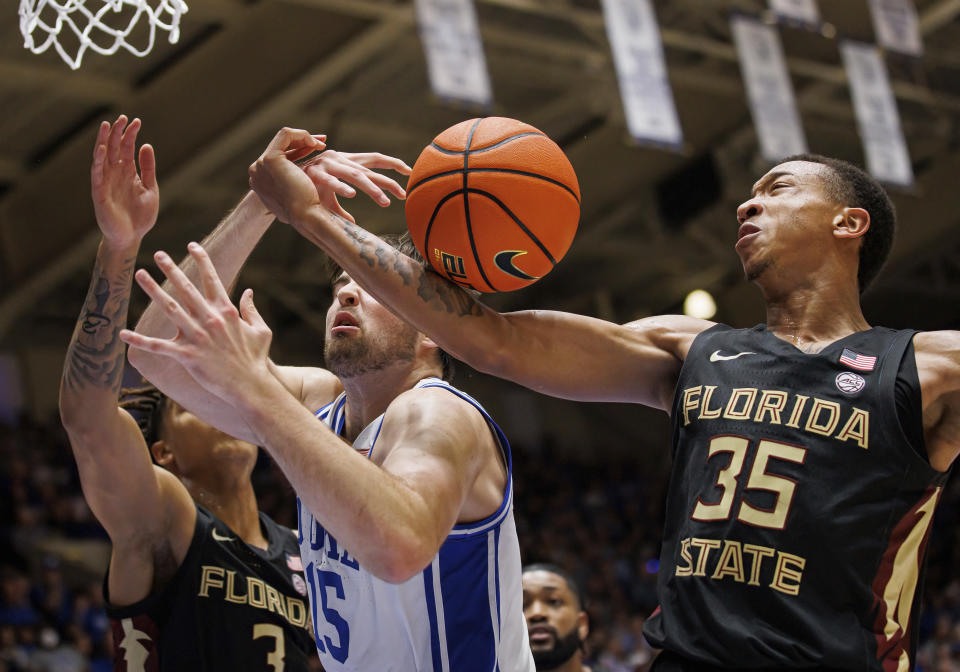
[228, 607]
[799, 506]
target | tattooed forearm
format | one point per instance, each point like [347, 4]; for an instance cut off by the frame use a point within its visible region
[433, 290]
[358, 236]
[443, 295]
[95, 356]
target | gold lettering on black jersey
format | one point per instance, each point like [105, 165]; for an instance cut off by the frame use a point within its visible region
[789, 572]
[798, 405]
[705, 546]
[730, 562]
[230, 594]
[744, 398]
[707, 413]
[758, 554]
[274, 603]
[297, 612]
[685, 570]
[771, 403]
[691, 402]
[209, 579]
[256, 593]
[228, 585]
[749, 404]
[784, 574]
[815, 422]
[857, 428]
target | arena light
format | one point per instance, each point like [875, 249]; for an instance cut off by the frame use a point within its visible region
[699, 303]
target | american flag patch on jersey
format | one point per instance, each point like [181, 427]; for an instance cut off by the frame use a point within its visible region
[857, 361]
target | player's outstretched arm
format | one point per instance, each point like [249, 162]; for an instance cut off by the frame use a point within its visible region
[561, 354]
[938, 367]
[392, 519]
[229, 246]
[139, 505]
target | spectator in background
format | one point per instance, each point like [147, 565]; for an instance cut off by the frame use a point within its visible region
[557, 622]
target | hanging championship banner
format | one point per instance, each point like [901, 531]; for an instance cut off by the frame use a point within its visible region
[641, 72]
[801, 11]
[451, 42]
[877, 117]
[896, 25]
[769, 90]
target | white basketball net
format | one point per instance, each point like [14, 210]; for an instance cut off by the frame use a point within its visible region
[97, 29]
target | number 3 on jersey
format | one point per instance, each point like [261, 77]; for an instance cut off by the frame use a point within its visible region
[319, 582]
[759, 479]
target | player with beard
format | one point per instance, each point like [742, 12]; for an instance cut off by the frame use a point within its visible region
[556, 618]
[809, 452]
[404, 487]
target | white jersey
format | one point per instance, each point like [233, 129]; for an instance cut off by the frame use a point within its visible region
[463, 613]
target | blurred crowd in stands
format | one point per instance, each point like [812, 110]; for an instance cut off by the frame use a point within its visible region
[599, 520]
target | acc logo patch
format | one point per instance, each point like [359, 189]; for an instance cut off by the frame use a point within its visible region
[850, 383]
[299, 584]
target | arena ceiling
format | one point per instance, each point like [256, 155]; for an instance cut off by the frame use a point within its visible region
[655, 223]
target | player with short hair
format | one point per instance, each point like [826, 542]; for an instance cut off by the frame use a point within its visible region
[556, 618]
[404, 486]
[198, 578]
[809, 452]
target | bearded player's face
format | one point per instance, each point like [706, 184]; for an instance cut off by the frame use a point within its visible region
[555, 622]
[362, 335]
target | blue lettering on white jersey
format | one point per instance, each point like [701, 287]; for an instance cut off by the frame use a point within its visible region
[463, 613]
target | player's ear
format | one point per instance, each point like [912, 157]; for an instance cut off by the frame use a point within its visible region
[851, 223]
[162, 455]
[428, 343]
[583, 625]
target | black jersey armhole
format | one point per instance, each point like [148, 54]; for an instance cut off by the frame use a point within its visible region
[909, 402]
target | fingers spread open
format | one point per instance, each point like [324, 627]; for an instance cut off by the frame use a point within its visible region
[213, 288]
[113, 142]
[96, 171]
[189, 296]
[158, 346]
[381, 162]
[172, 309]
[249, 312]
[129, 141]
[327, 182]
[358, 176]
[148, 167]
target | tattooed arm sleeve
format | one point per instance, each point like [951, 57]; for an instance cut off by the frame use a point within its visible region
[116, 471]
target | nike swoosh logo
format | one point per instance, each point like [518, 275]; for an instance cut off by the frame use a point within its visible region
[219, 538]
[504, 261]
[717, 357]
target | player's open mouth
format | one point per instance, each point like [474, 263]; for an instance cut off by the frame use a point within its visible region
[746, 232]
[343, 323]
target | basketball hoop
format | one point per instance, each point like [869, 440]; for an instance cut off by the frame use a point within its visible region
[104, 30]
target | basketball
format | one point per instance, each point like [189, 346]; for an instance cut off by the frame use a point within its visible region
[492, 204]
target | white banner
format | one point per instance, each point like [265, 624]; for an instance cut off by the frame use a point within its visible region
[451, 42]
[801, 11]
[641, 72]
[895, 23]
[769, 90]
[877, 117]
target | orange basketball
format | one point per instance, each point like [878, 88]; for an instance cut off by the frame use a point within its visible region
[493, 204]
